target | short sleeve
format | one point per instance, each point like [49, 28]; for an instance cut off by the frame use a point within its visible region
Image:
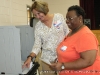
[86, 42]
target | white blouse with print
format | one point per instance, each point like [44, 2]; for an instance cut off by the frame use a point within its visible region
[48, 38]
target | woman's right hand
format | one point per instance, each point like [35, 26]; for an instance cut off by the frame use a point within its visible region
[27, 63]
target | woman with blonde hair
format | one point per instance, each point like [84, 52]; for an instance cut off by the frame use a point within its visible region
[49, 32]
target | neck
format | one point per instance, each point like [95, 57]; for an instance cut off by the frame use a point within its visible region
[75, 30]
[47, 18]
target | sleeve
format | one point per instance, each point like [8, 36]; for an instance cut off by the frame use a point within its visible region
[86, 42]
[37, 42]
[65, 26]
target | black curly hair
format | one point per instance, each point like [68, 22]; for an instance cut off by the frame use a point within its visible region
[79, 10]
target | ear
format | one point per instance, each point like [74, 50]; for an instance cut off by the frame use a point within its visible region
[80, 18]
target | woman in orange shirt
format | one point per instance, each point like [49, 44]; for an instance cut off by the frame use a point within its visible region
[78, 52]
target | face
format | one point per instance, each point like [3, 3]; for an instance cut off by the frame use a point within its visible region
[72, 19]
[38, 15]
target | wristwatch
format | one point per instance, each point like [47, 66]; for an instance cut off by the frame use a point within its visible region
[62, 67]
[30, 56]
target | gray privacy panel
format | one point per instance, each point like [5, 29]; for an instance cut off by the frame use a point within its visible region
[27, 40]
[10, 53]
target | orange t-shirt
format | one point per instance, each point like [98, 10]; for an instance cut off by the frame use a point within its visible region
[71, 47]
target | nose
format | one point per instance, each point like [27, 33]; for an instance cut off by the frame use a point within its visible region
[67, 21]
[37, 16]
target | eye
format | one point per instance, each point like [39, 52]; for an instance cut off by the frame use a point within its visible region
[70, 18]
[38, 13]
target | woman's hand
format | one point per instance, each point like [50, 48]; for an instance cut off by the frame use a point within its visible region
[56, 66]
[27, 63]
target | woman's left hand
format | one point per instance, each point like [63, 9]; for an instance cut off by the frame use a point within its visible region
[56, 66]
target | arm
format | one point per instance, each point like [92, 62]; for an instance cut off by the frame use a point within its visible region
[65, 26]
[66, 29]
[28, 60]
[87, 46]
[36, 47]
[86, 59]
[37, 42]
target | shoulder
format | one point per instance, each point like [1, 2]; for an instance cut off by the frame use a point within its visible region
[39, 25]
[85, 29]
[86, 32]
[58, 15]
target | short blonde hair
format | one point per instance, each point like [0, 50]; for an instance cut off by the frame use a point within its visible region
[40, 7]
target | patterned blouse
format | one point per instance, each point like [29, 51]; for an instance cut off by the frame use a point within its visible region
[47, 38]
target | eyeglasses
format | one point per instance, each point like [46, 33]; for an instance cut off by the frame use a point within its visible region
[70, 18]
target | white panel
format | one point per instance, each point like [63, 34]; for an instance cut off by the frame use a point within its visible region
[14, 44]
[10, 53]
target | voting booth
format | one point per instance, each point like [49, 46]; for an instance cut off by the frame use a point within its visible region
[16, 43]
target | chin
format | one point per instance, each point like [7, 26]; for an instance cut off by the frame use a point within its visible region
[70, 27]
[41, 19]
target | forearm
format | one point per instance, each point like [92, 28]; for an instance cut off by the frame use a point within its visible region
[31, 56]
[86, 59]
[77, 64]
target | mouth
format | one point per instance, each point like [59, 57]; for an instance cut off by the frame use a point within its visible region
[69, 24]
[39, 18]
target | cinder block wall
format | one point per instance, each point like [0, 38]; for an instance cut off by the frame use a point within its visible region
[13, 12]
[60, 6]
